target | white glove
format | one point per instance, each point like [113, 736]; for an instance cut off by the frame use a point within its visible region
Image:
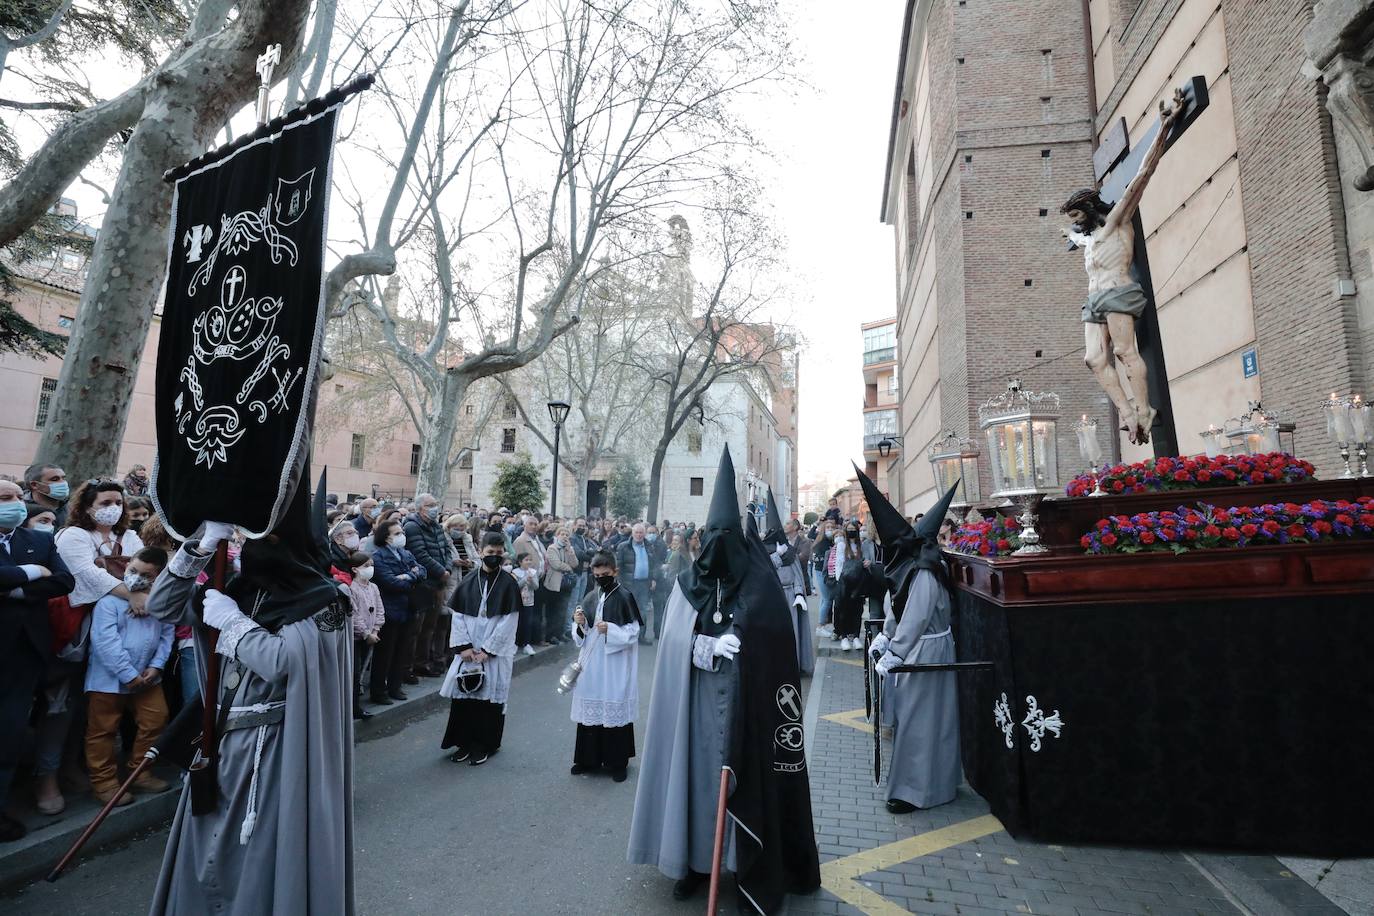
[220, 610]
[780, 549]
[215, 532]
[727, 646]
[878, 646]
[886, 664]
[800, 602]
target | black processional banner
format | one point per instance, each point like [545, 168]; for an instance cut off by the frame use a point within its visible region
[242, 329]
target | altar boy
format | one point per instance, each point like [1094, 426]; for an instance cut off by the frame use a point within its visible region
[606, 695]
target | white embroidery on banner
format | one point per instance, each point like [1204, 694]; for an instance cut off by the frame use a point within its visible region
[1001, 714]
[1037, 723]
[789, 702]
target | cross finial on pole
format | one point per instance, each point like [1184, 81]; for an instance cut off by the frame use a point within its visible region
[267, 63]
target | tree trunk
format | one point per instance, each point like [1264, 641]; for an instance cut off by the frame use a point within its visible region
[186, 106]
[436, 439]
[656, 478]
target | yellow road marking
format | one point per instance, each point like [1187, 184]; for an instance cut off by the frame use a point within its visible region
[840, 876]
[854, 719]
[846, 661]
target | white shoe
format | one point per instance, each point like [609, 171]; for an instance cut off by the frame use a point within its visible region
[528, 650]
[844, 644]
[820, 631]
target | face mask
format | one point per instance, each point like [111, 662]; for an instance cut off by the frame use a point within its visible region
[852, 535]
[364, 573]
[351, 540]
[60, 490]
[492, 561]
[374, 512]
[605, 583]
[12, 514]
[46, 529]
[581, 532]
[397, 540]
[651, 537]
[136, 582]
[108, 516]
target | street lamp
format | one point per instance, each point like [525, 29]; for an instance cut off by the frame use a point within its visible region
[558, 412]
[885, 445]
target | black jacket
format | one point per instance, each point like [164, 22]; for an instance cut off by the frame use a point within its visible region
[26, 618]
[625, 559]
[430, 545]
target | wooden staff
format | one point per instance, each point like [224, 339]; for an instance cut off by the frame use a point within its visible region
[719, 850]
[204, 795]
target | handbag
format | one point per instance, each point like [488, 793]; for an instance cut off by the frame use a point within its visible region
[65, 621]
[116, 564]
[470, 679]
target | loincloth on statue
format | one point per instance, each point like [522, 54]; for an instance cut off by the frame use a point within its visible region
[1124, 300]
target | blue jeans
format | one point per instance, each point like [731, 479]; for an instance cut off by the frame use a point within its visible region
[827, 599]
[186, 664]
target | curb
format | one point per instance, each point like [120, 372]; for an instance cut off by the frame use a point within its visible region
[31, 858]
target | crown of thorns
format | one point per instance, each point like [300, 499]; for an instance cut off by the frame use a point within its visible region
[1086, 199]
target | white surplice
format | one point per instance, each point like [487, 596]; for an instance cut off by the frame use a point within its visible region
[607, 691]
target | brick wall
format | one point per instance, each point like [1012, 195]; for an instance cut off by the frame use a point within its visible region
[1308, 335]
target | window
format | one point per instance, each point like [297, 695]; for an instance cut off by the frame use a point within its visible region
[45, 393]
[65, 321]
[355, 454]
[508, 411]
[465, 462]
[414, 460]
[698, 485]
[878, 425]
[913, 202]
[880, 344]
[467, 409]
[508, 440]
[71, 260]
[694, 439]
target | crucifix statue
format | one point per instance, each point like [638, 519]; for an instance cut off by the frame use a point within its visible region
[1107, 235]
[267, 63]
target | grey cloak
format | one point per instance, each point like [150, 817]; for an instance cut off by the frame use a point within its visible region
[793, 579]
[925, 769]
[298, 854]
[685, 746]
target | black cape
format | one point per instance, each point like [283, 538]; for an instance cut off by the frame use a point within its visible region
[908, 549]
[620, 607]
[502, 598]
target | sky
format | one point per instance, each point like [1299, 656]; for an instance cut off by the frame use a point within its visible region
[832, 142]
[828, 136]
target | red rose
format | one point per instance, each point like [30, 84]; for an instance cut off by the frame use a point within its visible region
[1228, 474]
[1168, 534]
[1345, 520]
[1212, 531]
[1322, 526]
[1204, 475]
[1108, 540]
[1296, 531]
[1147, 537]
[1189, 534]
[1117, 486]
[1271, 526]
[1367, 520]
[1085, 542]
[1130, 480]
[1249, 530]
[1180, 475]
[1221, 517]
[1231, 534]
[1103, 524]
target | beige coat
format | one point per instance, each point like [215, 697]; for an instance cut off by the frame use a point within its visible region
[562, 561]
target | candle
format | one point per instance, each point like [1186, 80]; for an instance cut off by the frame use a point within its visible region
[1341, 415]
[1359, 415]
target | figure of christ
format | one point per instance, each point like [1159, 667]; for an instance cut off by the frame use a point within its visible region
[1106, 233]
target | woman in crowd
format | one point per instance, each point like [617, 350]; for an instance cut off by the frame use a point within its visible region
[397, 573]
[678, 560]
[368, 618]
[140, 509]
[560, 574]
[854, 555]
[97, 545]
[343, 543]
[41, 518]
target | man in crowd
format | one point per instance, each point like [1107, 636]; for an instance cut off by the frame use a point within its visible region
[367, 515]
[833, 513]
[46, 486]
[425, 539]
[639, 561]
[31, 572]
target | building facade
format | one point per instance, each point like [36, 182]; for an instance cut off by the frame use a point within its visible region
[881, 396]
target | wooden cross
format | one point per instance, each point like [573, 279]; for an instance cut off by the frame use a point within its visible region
[1114, 165]
[267, 62]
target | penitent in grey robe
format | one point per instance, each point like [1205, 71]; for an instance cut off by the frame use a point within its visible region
[793, 579]
[925, 770]
[281, 841]
[685, 746]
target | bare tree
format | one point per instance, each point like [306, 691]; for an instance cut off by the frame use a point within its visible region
[599, 116]
[174, 112]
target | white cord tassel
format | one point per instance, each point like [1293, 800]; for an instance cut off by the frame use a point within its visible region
[250, 819]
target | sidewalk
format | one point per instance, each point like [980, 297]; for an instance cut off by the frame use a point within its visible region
[957, 858]
[50, 837]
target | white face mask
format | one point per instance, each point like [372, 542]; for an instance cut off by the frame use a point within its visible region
[47, 529]
[137, 582]
[397, 540]
[108, 516]
[364, 573]
[351, 540]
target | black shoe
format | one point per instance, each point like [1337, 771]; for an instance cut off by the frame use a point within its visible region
[897, 806]
[360, 713]
[397, 695]
[382, 701]
[410, 679]
[619, 775]
[479, 760]
[11, 830]
[684, 888]
[578, 769]
[459, 756]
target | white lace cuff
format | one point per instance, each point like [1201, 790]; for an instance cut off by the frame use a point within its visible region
[187, 564]
[704, 653]
[228, 643]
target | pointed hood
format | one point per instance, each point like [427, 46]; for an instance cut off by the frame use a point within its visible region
[906, 550]
[712, 582]
[774, 534]
[928, 528]
[751, 525]
[893, 530]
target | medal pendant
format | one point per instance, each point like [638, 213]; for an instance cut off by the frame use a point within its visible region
[231, 680]
[717, 617]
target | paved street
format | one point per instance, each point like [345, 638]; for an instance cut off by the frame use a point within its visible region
[537, 840]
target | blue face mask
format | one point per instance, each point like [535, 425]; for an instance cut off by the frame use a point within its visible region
[651, 537]
[12, 514]
[59, 491]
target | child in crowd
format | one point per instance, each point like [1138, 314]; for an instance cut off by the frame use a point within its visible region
[128, 654]
[368, 617]
[527, 577]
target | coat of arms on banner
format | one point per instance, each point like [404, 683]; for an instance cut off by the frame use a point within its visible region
[242, 328]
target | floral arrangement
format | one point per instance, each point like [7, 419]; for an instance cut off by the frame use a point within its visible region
[1208, 527]
[1159, 474]
[998, 536]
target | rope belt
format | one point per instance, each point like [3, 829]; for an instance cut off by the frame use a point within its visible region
[259, 716]
[945, 632]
